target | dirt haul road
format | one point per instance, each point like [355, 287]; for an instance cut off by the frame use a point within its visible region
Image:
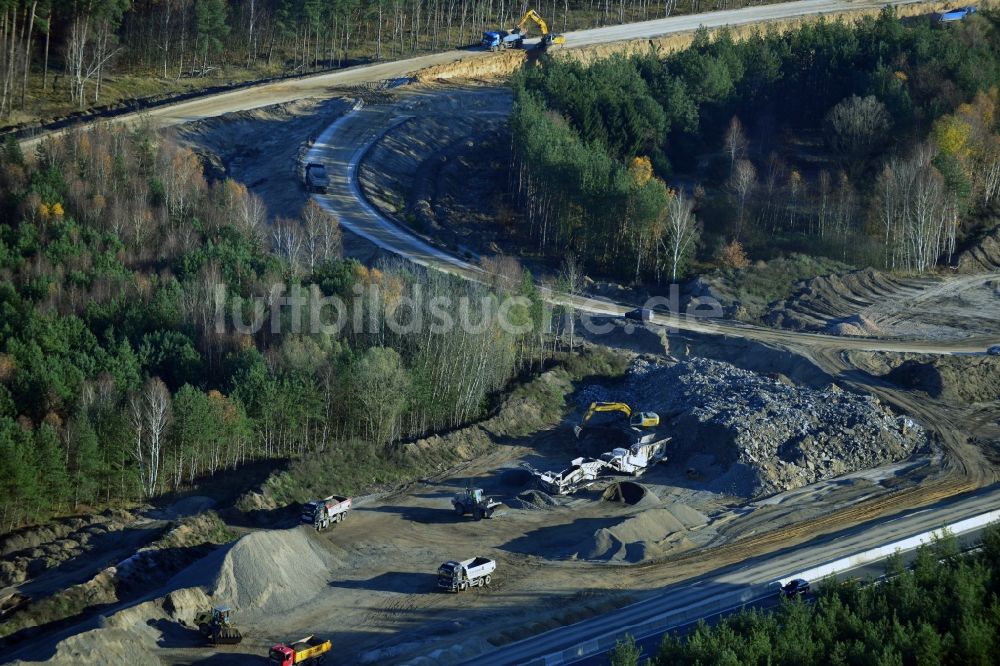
[320, 85]
[344, 145]
[372, 595]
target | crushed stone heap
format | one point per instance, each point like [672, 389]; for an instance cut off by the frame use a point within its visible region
[765, 435]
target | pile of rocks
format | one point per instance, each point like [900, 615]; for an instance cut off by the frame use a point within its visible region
[766, 435]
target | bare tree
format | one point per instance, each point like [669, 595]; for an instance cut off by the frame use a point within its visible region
[681, 232]
[287, 241]
[150, 415]
[735, 142]
[742, 183]
[858, 126]
[571, 279]
[322, 235]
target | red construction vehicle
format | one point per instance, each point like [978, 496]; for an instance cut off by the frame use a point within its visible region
[309, 650]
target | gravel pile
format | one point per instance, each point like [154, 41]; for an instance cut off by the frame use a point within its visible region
[645, 535]
[533, 500]
[765, 435]
[271, 571]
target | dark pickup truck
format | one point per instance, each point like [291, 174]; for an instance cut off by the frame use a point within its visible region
[317, 180]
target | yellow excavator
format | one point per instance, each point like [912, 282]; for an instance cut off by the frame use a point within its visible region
[547, 37]
[635, 419]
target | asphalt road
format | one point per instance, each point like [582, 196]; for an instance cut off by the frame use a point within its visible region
[872, 571]
[727, 590]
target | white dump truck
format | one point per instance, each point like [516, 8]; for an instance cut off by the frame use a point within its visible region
[456, 576]
[325, 512]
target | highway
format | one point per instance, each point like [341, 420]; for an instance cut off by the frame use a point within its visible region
[342, 147]
[746, 584]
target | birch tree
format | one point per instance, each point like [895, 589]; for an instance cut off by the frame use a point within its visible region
[681, 234]
[149, 410]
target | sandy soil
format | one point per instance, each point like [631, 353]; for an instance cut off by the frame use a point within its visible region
[870, 303]
[369, 583]
[440, 173]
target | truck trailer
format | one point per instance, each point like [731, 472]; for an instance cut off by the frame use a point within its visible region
[308, 650]
[456, 576]
[325, 512]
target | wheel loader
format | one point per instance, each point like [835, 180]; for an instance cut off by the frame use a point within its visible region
[217, 627]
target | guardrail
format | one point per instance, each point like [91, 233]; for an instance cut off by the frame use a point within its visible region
[882, 552]
[723, 603]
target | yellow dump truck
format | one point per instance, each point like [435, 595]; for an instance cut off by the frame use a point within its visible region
[308, 650]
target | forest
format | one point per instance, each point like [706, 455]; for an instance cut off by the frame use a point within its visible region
[118, 379]
[61, 54]
[873, 143]
[942, 609]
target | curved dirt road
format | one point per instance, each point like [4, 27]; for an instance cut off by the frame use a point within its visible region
[343, 145]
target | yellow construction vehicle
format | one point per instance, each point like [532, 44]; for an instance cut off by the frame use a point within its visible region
[217, 626]
[636, 419]
[547, 37]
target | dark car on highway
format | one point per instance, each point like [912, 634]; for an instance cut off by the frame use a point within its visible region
[795, 588]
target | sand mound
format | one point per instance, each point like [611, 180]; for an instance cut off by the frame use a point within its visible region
[957, 378]
[534, 499]
[856, 325]
[131, 636]
[643, 536]
[271, 571]
[630, 493]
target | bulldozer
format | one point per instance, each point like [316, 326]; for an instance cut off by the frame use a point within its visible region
[216, 626]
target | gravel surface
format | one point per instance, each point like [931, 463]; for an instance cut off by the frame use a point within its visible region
[765, 436]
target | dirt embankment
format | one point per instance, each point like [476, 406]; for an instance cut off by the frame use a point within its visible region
[440, 171]
[870, 303]
[959, 379]
[499, 66]
[983, 256]
[139, 568]
[235, 145]
[32, 551]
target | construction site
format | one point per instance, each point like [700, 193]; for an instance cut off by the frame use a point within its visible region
[863, 397]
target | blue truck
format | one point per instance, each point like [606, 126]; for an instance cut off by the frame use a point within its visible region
[496, 40]
[956, 14]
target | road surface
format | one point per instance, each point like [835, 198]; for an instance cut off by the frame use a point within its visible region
[342, 146]
[753, 579]
[320, 84]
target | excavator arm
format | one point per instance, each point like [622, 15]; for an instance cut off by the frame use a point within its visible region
[543, 27]
[532, 15]
[641, 419]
